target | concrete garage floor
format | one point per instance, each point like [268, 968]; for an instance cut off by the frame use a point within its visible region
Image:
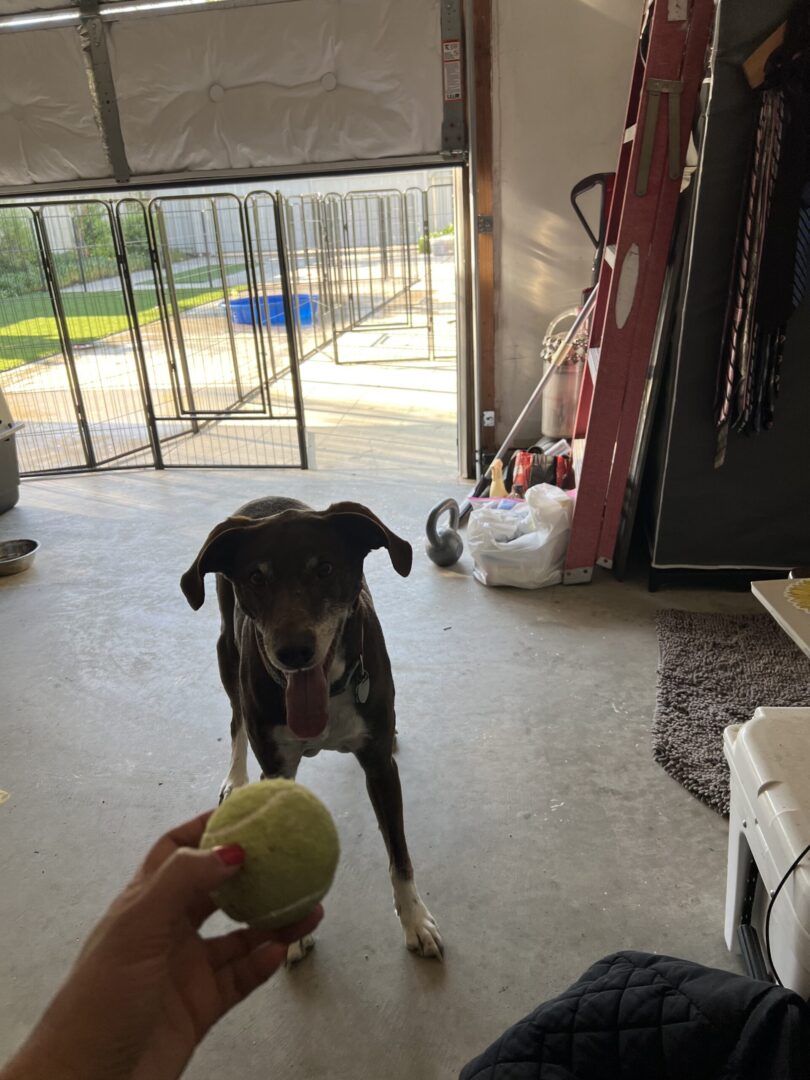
[543, 833]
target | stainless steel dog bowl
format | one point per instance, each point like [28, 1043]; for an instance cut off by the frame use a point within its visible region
[16, 556]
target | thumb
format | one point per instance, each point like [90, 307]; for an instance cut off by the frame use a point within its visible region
[183, 884]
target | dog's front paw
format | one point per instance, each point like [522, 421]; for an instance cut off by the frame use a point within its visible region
[422, 934]
[298, 950]
[229, 784]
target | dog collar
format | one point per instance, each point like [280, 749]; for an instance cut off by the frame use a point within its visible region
[355, 676]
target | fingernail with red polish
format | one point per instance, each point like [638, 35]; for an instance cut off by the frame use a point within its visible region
[231, 855]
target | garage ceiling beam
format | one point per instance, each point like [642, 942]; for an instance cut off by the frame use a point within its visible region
[93, 39]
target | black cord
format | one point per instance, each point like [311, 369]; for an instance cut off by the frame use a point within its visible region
[776, 892]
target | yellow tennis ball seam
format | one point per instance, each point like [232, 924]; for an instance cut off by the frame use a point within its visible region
[307, 902]
[270, 802]
[277, 860]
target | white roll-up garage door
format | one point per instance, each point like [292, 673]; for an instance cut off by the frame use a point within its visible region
[18, 7]
[48, 131]
[120, 94]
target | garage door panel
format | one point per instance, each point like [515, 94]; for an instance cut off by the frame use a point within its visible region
[18, 7]
[330, 80]
[26, 7]
[47, 128]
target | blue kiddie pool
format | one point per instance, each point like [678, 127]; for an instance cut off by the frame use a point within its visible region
[272, 306]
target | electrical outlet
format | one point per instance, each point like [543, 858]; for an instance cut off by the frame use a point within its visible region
[488, 418]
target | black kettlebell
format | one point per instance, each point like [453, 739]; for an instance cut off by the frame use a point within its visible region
[444, 546]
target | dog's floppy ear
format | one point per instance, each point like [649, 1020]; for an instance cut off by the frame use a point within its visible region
[212, 557]
[369, 532]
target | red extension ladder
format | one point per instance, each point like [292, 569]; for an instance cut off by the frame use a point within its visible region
[667, 75]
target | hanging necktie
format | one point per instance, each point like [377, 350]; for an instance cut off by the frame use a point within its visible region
[734, 386]
[802, 264]
[772, 260]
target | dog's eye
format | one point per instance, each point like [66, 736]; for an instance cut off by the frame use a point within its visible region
[257, 578]
[324, 569]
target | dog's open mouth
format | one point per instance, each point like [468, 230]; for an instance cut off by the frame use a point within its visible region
[307, 699]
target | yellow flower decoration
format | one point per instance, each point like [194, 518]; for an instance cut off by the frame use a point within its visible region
[798, 593]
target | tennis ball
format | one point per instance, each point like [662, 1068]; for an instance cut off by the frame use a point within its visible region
[291, 846]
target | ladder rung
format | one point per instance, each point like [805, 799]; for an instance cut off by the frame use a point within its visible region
[578, 453]
[630, 133]
[593, 362]
[610, 255]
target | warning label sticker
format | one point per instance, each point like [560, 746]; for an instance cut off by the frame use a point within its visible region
[451, 66]
[452, 80]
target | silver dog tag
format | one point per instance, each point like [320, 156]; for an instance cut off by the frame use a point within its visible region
[361, 691]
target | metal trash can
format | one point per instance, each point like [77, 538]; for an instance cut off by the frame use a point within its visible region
[561, 395]
[9, 468]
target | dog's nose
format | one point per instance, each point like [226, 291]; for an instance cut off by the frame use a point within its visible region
[296, 655]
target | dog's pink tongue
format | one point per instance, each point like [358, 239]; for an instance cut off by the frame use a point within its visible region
[307, 703]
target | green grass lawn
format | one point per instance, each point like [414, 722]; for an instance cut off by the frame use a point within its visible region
[28, 329]
[198, 275]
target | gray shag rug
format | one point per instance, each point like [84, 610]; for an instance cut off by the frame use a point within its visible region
[715, 670]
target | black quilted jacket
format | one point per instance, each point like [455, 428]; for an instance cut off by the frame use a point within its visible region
[635, 1016]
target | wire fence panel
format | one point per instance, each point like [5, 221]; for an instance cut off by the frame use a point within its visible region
[441, 238]
[311, 297]
[260, 210]
[156, 333]
[418, 232]
[232, 376]
[33, 371]
[336, 251]
[152, 325]
[203, 271]
[99, 349]
[380, 262]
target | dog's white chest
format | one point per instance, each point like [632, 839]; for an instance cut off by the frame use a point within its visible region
[346, 731]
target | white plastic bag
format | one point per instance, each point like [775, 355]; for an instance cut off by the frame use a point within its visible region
[523, 546]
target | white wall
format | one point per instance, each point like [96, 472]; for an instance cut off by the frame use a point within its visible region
[561, 73]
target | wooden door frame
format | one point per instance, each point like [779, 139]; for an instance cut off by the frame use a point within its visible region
[478, 18]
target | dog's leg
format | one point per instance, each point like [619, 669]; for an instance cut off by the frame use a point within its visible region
[382, 781]
[228, 659]
[298, 950]
[287, 767]
[237, 773]
[289, 758]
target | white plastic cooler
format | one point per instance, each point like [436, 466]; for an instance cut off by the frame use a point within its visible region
[769, 759]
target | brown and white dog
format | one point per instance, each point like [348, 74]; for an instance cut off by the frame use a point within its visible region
[303, 659]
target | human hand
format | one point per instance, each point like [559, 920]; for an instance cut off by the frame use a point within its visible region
[147, 986]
